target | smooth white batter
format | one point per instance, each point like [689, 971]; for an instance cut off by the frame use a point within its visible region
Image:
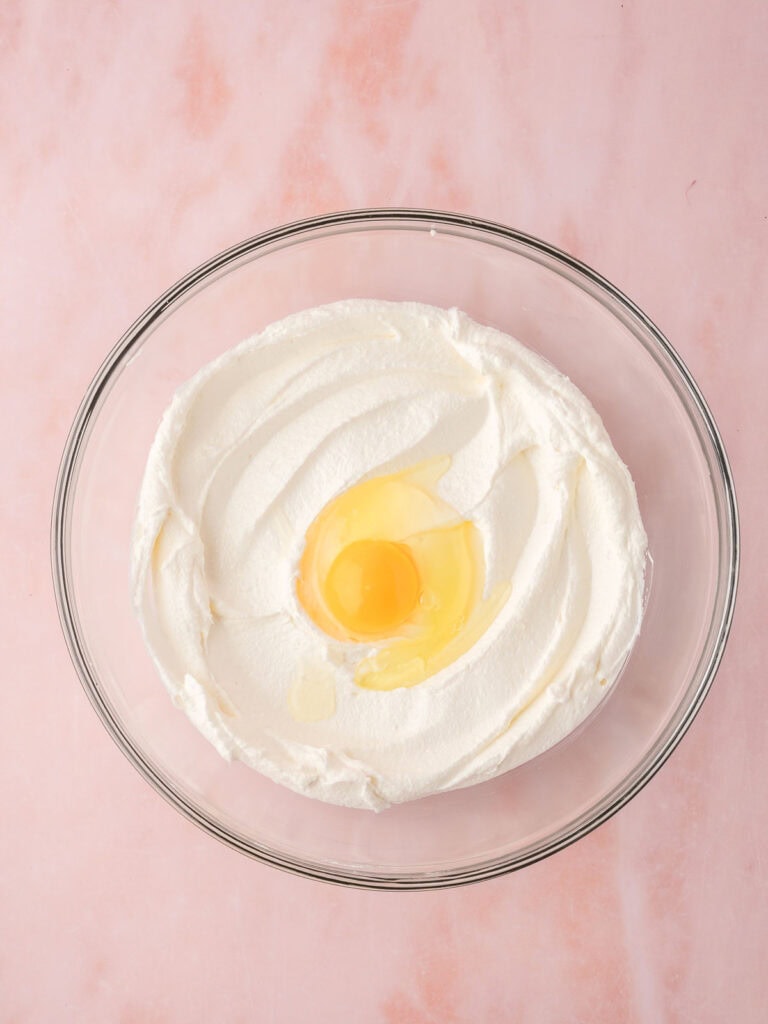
[256, 444]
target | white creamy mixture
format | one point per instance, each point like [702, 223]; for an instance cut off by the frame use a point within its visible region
[259, 441]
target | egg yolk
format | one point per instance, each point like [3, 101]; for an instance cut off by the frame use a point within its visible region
[390, 564]
[372, 586]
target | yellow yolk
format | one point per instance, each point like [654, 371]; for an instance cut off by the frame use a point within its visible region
[372, 586]
[390, 564]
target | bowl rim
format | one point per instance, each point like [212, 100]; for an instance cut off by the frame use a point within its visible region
[381, 217]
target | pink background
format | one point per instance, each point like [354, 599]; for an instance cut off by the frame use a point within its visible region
[139, 139]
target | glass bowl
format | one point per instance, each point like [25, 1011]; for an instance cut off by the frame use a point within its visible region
[656, 417]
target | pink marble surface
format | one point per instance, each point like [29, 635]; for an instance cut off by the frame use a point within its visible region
[138, 139]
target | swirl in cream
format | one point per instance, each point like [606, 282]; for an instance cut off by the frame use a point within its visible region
[260, 442]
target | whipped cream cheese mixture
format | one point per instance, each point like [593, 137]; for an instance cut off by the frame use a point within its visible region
[383, 551]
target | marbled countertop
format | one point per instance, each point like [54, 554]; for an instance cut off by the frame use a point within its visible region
[137, 140]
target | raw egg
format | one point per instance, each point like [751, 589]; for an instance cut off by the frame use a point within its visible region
[391, 565]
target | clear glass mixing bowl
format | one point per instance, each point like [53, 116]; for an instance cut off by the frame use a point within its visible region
[659, 424]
